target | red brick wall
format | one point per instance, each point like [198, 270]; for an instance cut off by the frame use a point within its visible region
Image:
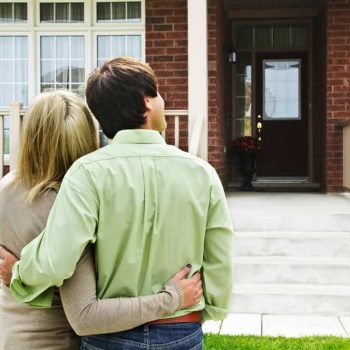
[166, 52]
[338, 88]
[216, 98]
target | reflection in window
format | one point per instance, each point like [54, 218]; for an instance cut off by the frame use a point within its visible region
[281, 89]
[13, 70]
[65, 12]
[119, 11]
[118, 45]
[62, 63]
[243, 103]
[11, 12]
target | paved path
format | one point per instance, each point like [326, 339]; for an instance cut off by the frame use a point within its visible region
[280, 325]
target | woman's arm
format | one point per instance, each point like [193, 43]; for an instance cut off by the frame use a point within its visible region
[88, 315]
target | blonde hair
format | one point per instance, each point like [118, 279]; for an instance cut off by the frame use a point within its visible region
[57, 129]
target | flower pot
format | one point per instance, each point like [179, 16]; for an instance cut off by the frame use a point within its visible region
[246, 162]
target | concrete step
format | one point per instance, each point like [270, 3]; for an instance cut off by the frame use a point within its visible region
[292, 244]
[291, 299]
[292, 270]
[292, 220]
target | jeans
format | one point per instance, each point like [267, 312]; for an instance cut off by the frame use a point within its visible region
[175, 336]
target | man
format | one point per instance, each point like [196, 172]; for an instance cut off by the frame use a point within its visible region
[148, 207]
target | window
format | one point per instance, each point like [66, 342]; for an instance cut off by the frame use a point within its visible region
[13, 12]
[13, 70]
[62, 12]
[55, 44]
[119, 11]
[62, 63]
[118, 45]
[281, 89]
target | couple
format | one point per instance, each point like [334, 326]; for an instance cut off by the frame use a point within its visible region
[134, 212]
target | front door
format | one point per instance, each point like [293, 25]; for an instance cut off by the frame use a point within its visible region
[282, 115]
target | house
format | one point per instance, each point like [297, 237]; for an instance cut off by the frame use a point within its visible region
[224, 67]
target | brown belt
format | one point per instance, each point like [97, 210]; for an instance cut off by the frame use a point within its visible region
[194, 316]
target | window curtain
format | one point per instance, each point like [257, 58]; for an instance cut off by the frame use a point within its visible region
[134, 11]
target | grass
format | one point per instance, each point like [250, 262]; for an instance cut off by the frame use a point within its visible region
[222, 342]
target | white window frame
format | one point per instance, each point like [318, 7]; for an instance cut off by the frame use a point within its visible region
[58, 24]
[120, 25]
[60, 33]
[33, 29]
[17, 25]
[114, 33]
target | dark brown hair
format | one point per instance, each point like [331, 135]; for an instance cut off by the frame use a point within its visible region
[115, 93]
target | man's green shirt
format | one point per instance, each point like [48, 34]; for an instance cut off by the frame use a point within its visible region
[150, 209]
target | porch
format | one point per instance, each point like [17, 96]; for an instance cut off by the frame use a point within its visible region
[177, 134]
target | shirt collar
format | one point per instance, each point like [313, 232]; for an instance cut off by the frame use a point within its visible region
[138, 136]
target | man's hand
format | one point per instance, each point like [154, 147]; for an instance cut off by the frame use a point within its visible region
[191, 287]
[7, 260]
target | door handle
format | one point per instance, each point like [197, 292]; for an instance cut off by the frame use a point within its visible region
[259, 127]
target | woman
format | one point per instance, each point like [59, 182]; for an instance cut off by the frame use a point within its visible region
[57, 130]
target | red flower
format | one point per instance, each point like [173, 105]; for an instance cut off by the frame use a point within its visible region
[246, 144]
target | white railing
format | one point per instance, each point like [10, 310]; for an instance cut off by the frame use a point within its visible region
[346, 156]
[177, 114]
[15, 114]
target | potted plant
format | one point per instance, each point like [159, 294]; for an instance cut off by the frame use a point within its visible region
[246, 148]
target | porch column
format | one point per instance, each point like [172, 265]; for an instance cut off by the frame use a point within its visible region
[197, 78]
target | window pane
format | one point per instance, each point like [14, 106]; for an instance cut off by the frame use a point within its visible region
[78, 72]
[118, 45]
[77, 47]
[103, 11]
[6, 71]
[78, 89]
[118, 11]
[134, 11]
[103, 47]
[243, 94]
[134, 46]
[13, 70]
[6, 12]
[47, 49]
[263, 37]
[20, 12]
[300, 37]
[281, 37]
[281, 89]
[48, 71]
[21, 92]
[67, 64]
[6, 47]
[62, 12]
[21, 47]
[46, 12]
[244, 37]
[77, 12]
[62, 47]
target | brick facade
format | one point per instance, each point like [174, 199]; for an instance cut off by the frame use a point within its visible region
[166, 52]
[338, 88]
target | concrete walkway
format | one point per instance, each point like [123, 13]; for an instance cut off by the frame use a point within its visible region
[280, 325]
[283, 215]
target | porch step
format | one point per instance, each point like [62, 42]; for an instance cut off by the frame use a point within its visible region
[292, 270]
[291, 299]
[292, 244]
[286, 272]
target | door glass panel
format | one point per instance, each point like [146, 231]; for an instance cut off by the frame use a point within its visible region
[243, 95]
[281, 89]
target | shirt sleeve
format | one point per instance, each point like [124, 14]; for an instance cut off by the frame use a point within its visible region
[217, 270]
[88, 315]
[52, 256]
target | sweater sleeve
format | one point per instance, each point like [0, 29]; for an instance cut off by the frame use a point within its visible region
[88, 315]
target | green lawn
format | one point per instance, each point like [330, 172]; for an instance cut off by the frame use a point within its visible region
[222, 342]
